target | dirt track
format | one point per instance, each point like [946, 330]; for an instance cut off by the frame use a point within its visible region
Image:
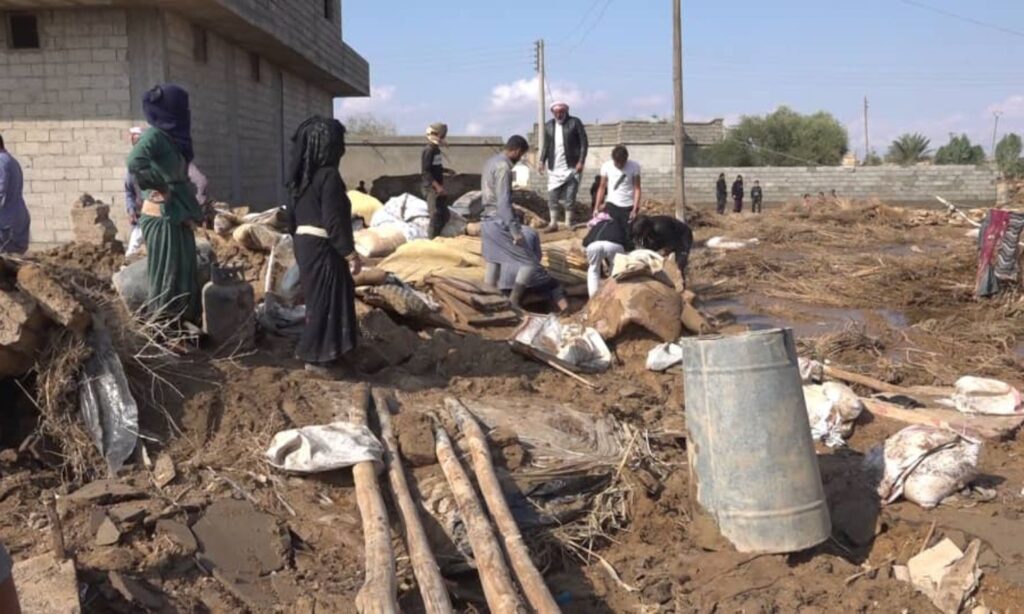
[877, 290]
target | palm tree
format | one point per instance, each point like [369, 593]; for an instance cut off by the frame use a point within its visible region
[908, 149]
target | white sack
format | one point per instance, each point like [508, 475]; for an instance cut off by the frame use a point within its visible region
[312, 449]
[728, 244]
[664, 356]
[924, 463]
[977, 395]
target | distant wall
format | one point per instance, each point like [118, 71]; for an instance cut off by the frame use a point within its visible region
[367, 158]
[966, 184]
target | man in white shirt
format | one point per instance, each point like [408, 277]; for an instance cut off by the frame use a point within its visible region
[619, 192]
[563, 157]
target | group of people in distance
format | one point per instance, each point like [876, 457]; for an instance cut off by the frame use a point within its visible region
[756, 195]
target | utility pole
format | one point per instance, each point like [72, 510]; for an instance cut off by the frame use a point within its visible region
[677, 82]
[995, 129]
[867, 143]
[540, 99]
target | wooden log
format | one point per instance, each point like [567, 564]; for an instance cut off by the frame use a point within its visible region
[530, 579]
[379, 593]
[880, 386]
[499, 591]
[424, 565]
[971, 426]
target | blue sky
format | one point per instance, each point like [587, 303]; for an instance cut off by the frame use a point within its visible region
[470, 63]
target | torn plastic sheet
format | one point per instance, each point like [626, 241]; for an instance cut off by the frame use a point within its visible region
[108, 408]
[313, 449]
[576, 347]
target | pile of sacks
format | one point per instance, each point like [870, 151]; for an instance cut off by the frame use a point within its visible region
[402, 219]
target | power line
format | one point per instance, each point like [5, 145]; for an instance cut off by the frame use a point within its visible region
[977, 22]
[586, 16]
[593, 25]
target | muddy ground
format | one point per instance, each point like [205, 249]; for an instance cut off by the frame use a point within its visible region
[878, 290]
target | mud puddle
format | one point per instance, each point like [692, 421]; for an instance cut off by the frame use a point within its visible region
[758, 312]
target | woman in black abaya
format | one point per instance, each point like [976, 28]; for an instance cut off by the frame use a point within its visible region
[321, 223]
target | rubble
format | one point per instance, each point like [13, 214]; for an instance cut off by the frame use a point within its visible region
[90, 221]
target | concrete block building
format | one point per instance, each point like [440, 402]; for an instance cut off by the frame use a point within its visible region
[72, 75]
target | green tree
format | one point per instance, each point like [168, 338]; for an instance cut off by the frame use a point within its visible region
[1008, 153]
[960, 150]
[908, 149]
[370, 124]
[873, 159]
[781, 138]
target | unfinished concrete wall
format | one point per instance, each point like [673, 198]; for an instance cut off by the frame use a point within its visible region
[367, 157]
[64, 112]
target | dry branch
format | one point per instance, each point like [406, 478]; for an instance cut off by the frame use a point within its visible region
[495, 578]
[424, 566]
[380, 585]
[530, 579]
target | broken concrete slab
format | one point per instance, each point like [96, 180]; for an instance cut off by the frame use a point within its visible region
[233, 536]
[45, 585]
[90, 221]
[107, 534]
[137, 592]
[102, 492]
[23, 328]
[944, 574]
[130, 512]
[57, 303]
[179, 534]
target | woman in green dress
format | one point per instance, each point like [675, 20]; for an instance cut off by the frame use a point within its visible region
[159, 162]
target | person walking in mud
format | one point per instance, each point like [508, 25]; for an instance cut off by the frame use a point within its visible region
[320, 220]
[159, 163]
[511, 250]
[565, 152]
[756, 198]
[721, 192]
[737, 194]
[432, 169]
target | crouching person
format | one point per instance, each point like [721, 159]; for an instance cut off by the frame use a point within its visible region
[665, 235]
[512, 251]
[608, 236]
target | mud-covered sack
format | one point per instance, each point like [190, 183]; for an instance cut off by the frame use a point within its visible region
[400, 299]
[978, 395]
[224, 223]
[924, 464]
[832, 409]
[641, 301]
[257, 237]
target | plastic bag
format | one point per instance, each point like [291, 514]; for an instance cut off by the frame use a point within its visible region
[276, 317]
[811, 371]
[665, 356]
[729, 244]
[108, 408]
[925, 464]
[379, 242]
[638, 263]
[314, 449]
[977, 395]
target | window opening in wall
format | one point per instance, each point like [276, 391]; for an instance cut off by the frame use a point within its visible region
[329, 9]
[23, 31]
[200, 42]
[254, 66]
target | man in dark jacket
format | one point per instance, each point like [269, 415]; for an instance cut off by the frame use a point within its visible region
[607, 237]
[432, 170]
[737, 194]
[721, 193]
[565, 152]
[756, 197]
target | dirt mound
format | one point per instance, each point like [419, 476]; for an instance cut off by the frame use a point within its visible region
[99, 260]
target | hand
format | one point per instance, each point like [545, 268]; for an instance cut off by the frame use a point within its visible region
[355, 263]
[540, 168]
[579, 167]
[632, 215]
[518, 239]
[441, 191]
[133, 218]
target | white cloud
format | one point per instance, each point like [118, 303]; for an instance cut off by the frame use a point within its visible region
[1011, 108]
[652, 101]
[474, 128]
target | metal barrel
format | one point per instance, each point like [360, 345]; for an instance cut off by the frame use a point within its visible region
[751, 454]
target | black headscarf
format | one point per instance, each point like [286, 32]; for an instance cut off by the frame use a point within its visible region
[166, 107]
[319, 142]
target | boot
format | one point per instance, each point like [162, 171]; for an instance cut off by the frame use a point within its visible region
[553, 224]
[568, 219]
[516, 297]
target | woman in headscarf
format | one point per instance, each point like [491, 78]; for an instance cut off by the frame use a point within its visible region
[159, 162]
[320, 215]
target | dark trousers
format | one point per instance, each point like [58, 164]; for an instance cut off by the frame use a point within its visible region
[721, 204]
[756, 206]
[619, 214]
[737, 204]
[437, 205]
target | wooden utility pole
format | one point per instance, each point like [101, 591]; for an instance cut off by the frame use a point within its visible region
[677, 82]
[867, 143]
[540, 99]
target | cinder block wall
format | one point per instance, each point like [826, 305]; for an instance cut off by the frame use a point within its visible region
[64, 113]
[369, 157]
